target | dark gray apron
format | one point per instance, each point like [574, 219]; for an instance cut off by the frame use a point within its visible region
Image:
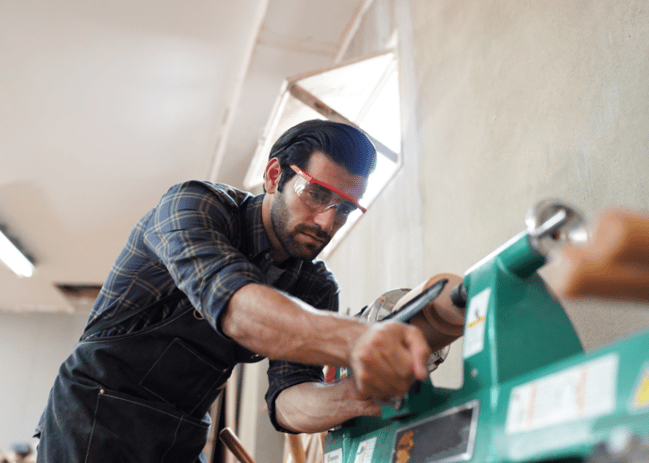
[139, 397]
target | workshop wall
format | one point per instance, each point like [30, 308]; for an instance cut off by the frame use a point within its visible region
[384, 249]
[515, 102]
[33, 347]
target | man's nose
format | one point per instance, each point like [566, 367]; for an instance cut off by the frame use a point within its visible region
[326, 219]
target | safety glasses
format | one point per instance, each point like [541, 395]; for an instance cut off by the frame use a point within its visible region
[319, 196]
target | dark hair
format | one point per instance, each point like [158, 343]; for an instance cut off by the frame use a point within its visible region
[344, 144]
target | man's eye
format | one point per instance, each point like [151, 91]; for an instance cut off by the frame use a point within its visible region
[346, 208]
[318, 196]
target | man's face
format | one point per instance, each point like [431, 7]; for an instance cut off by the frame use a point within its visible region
[302, 232]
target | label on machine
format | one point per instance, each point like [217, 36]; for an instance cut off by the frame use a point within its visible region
[365, 451]
[641, 394]
[475, 323]
[448, 436]
[335, 456]
[584, 391]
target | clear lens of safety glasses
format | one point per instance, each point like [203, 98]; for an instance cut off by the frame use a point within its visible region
[319, 198]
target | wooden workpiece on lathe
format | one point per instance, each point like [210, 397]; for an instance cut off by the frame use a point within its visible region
[441, 321]
[614, 264]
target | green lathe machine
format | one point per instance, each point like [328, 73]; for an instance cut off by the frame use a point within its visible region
[530, 392]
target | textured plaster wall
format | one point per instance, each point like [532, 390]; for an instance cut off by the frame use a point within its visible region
[383, 250]
[521, 101]
[507, 103]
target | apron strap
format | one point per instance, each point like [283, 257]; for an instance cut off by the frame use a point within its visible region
[98, 324]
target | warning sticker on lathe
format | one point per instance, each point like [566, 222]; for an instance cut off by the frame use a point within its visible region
[475, 323]
[335, 456]
[365, 451]
[641, 394]
[584, 391]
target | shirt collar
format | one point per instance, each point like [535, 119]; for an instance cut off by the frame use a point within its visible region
[256, 238]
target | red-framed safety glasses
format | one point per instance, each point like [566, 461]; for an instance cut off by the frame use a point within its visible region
[319, 196]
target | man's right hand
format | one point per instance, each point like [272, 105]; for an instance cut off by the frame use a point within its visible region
[387, 358]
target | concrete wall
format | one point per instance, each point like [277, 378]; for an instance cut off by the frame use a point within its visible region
[507, 103]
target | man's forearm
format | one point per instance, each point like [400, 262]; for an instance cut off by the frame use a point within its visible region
[278, 326]
[385, 357]
[317, 407]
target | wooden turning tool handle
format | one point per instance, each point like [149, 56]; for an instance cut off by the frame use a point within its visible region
[614, 264]
[442, 322]
[233, 443]
[297, 449]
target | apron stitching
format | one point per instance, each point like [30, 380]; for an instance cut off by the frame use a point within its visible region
[178, 340]
[206, 394]
[174, 441]
[160, 357]
[126, 314]
[151, 329]
[152, 408]
[92, 430]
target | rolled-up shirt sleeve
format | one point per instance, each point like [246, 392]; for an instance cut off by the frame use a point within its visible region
[192, 232]
[282, 375]
[321, 292]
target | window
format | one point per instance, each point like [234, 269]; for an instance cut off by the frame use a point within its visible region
[364, 93]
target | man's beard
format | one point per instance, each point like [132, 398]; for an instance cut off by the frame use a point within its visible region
[288, 238]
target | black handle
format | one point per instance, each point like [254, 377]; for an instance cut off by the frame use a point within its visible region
[418, 303]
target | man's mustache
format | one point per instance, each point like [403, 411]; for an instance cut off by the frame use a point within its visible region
[317, 232]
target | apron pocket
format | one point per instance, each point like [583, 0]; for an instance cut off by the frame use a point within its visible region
[182, 377]
[129, 430]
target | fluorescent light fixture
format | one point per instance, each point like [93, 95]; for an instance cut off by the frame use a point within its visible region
[14, 258]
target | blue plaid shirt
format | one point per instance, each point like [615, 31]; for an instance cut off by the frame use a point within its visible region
[208, 240]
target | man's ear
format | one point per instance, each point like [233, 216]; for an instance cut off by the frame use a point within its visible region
[272, 175]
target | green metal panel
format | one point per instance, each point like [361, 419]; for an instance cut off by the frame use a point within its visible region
[526, 327]
[536, 394]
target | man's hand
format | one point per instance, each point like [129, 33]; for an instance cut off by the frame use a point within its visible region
[387, 359]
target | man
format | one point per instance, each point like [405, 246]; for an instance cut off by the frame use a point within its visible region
[211, 277]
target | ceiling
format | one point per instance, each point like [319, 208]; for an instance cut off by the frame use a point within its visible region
[105, 105]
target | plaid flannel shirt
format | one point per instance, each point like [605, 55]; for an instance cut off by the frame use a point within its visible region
[207, 240]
